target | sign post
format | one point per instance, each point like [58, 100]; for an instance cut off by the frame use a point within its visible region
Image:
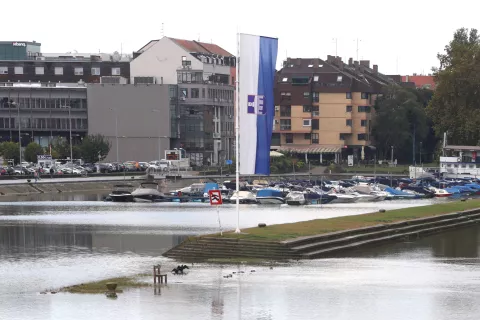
[216, 200]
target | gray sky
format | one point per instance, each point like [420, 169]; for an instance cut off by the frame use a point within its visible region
[412, 32]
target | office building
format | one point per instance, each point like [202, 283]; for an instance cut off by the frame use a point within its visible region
[202, 121]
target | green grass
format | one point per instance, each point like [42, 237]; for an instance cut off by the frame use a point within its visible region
[400, 169]
[100, 286]
[286, 231]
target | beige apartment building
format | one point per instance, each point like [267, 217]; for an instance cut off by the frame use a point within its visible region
[324, 108]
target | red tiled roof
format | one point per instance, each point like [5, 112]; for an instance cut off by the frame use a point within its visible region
[201, 47]
[420, 81]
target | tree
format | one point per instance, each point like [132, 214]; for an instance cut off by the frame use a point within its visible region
[454, 107]
[31, 151]
[399, 118]
[95, 148]
[10, 150]
[60, 148]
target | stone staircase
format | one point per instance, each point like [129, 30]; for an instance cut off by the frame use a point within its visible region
[204, 248]
[330, 244]
[319, 246]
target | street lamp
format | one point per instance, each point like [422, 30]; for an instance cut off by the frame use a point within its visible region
[421, 153]
[392, 155]
[70, 129]
[116, 130]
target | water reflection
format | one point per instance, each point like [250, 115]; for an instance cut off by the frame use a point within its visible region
[53, 244]
[35, 240]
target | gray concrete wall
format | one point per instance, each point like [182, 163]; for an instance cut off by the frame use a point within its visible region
[139, 127]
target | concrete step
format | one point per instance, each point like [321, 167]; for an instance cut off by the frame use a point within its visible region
[332, 243]
[356, 245]
[345, 233]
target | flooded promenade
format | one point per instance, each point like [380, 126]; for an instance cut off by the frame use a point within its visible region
[51, 244]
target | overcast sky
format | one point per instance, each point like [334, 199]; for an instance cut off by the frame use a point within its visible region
[398, 36]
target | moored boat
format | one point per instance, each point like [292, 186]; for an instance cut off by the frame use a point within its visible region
[122, 193]
[270, 196]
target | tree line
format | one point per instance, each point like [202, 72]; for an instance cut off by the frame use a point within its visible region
[413, 121]
[93, 148]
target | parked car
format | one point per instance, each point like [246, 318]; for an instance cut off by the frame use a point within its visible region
[3, 171]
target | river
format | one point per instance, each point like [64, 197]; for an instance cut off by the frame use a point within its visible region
[50, 244]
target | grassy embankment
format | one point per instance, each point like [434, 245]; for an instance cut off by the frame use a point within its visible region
[369, 169]
[286, 231]
[100, 286]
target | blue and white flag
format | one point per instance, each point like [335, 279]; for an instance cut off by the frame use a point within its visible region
[258, 58]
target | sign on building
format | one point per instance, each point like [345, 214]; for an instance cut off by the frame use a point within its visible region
[350, 160]
[19, 44]
[44, 157]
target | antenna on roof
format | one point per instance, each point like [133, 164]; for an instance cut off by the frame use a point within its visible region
[121, 49]
[199, 37]
[162, 32]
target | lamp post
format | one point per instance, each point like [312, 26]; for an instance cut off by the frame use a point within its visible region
[392, 155]
[421, 153]
[116, 131]
[19, 136]
[70, 130]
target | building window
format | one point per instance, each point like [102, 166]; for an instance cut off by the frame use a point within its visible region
[307, 122]
[315, 78]
[364, 109]
[316, 96]
[349, 109]
[307, 136]
[364, 95]
[363, 123]
[306, 94]
[286, 95]
[184, 92]
[39, 70]
[349, 95]
[115, 71]
[3, 70]
[18, 70]
[284, 79]
[315, 138]
[95, 71]
[285, 111]
[315, 111]
[58, 71]
[78, 71]
[289, 137]
[362, 137]
[285, 124]
[195, 92]
[343, 136]
[203, 92]
[348, 122]
[339, 78]
[310, 65]
[307, 108]
[315, 124]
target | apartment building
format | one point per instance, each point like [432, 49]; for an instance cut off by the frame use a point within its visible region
[323, 108]
[202, 121]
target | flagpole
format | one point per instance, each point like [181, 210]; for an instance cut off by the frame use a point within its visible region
[237, 129]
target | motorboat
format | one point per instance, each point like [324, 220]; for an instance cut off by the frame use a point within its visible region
[441, 193]
[344, 198]
[122, 193]
[148, 192]
[295, 198]
[270, 196]
[244, 197]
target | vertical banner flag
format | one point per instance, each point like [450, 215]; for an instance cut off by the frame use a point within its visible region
[258, 58]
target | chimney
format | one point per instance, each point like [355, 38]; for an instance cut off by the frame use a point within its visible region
[330, 59]
[339, 62]
[375, 68]
[350, 62]
[365, 63]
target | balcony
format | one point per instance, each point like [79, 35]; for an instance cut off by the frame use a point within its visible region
[285, 127]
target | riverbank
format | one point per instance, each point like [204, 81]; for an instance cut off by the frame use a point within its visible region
[323, 237]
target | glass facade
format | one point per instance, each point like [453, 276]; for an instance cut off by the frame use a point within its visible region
[18, 50]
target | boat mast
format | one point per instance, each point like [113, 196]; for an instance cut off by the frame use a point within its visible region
[237, 129]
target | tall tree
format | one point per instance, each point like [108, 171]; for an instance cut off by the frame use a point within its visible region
[31, 151]
[399, 117]
[61, 148]
[455, 106]
[10, 151]
[95, 148]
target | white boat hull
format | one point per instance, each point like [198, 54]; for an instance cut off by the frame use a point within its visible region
[344, 199]
[270, 200]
